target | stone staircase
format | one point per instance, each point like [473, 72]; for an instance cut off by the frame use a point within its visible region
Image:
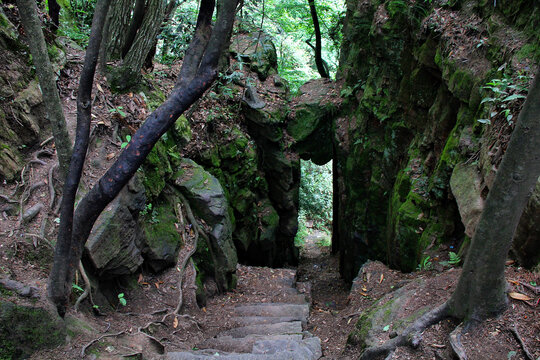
[265, 330]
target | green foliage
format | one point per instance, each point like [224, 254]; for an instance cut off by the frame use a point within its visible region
[121, 299]
[503, 95]
[316, 193]
[125, 143]
[425, 264]
[302, 232]
[176, 35]
[76, 20]
[118, 110]
[454, 259]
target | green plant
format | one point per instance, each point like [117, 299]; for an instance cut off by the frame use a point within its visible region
[425, 264]
[118, 110]
[454, 258]
[503, 93]
[121, 299]
[125, 143]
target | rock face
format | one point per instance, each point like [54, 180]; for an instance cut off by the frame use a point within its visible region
[115, 245]
[23, 330]
[206, 197]
[408, 125]
[23, 120]
[258, 50]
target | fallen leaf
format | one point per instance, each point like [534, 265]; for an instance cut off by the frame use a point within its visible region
[140, 280]
[157, 285]
[99, 87]
[381, 279]
[110, 156]
[519, 296]
[204, 309]
[363, 293]
[175, 322]
[509, 262]
[438, 346]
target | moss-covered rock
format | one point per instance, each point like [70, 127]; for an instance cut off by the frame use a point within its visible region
[24, 330]
[256, 49]
[208, 200]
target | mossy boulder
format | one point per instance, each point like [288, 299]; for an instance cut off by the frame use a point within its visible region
[208, 200]
[114, 246]
[162, 240]
[24, 330]
[256, 49]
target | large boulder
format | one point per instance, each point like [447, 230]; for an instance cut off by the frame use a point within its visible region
[114, 246]
[256, 49]
[208, 200]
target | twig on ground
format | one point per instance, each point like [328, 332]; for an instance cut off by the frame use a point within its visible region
[83, 350]
[46, 141]
[47, 242]
[455, 342]
[514, 331]
[534, 289]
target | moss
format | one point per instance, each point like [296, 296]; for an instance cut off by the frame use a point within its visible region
[24, 330]
[460, 84]
[529, 51]
[157, 169]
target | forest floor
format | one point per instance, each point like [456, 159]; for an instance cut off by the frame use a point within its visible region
[26, 256]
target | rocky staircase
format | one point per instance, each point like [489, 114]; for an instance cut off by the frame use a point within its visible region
[274, 330]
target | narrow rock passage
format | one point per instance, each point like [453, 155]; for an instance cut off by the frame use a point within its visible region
[329, 294]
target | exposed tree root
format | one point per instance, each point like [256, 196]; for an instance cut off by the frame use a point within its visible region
[455, 343]
[37, 160]
[515, 332]
[87, 288]
[411, 335]
[52, 193]
[83, 350]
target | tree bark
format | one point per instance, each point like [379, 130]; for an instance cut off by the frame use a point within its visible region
[65, 263]
[321, 68]
[129, 73]
[481, 288]
[71, 240]
[118, 20]
[47, 81]
[136, 21]
[54, 14]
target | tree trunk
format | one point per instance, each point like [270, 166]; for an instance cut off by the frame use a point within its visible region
[65, 263]
[169, 12]
[118, 20]
[54, 14]
[71, 239]
[321, 68]
[136, 21]
[481, 288]
[129, 73]
[47, 81]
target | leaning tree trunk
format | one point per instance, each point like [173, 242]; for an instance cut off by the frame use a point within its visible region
[321, 68]
[47, 80]
[128, 75]
[75, 227]
[481, 289]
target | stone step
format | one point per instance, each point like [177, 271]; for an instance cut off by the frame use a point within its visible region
[294, 327]
[298, 311]
[306, 349]
[255, 320]
[242, 345]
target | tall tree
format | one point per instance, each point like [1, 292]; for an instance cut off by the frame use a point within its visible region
[47, 80]
[54, 14]
[481, 290]
[198, 72]
[321, 67]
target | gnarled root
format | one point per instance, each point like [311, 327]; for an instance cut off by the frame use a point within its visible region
[455, 342]
[411, 335]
